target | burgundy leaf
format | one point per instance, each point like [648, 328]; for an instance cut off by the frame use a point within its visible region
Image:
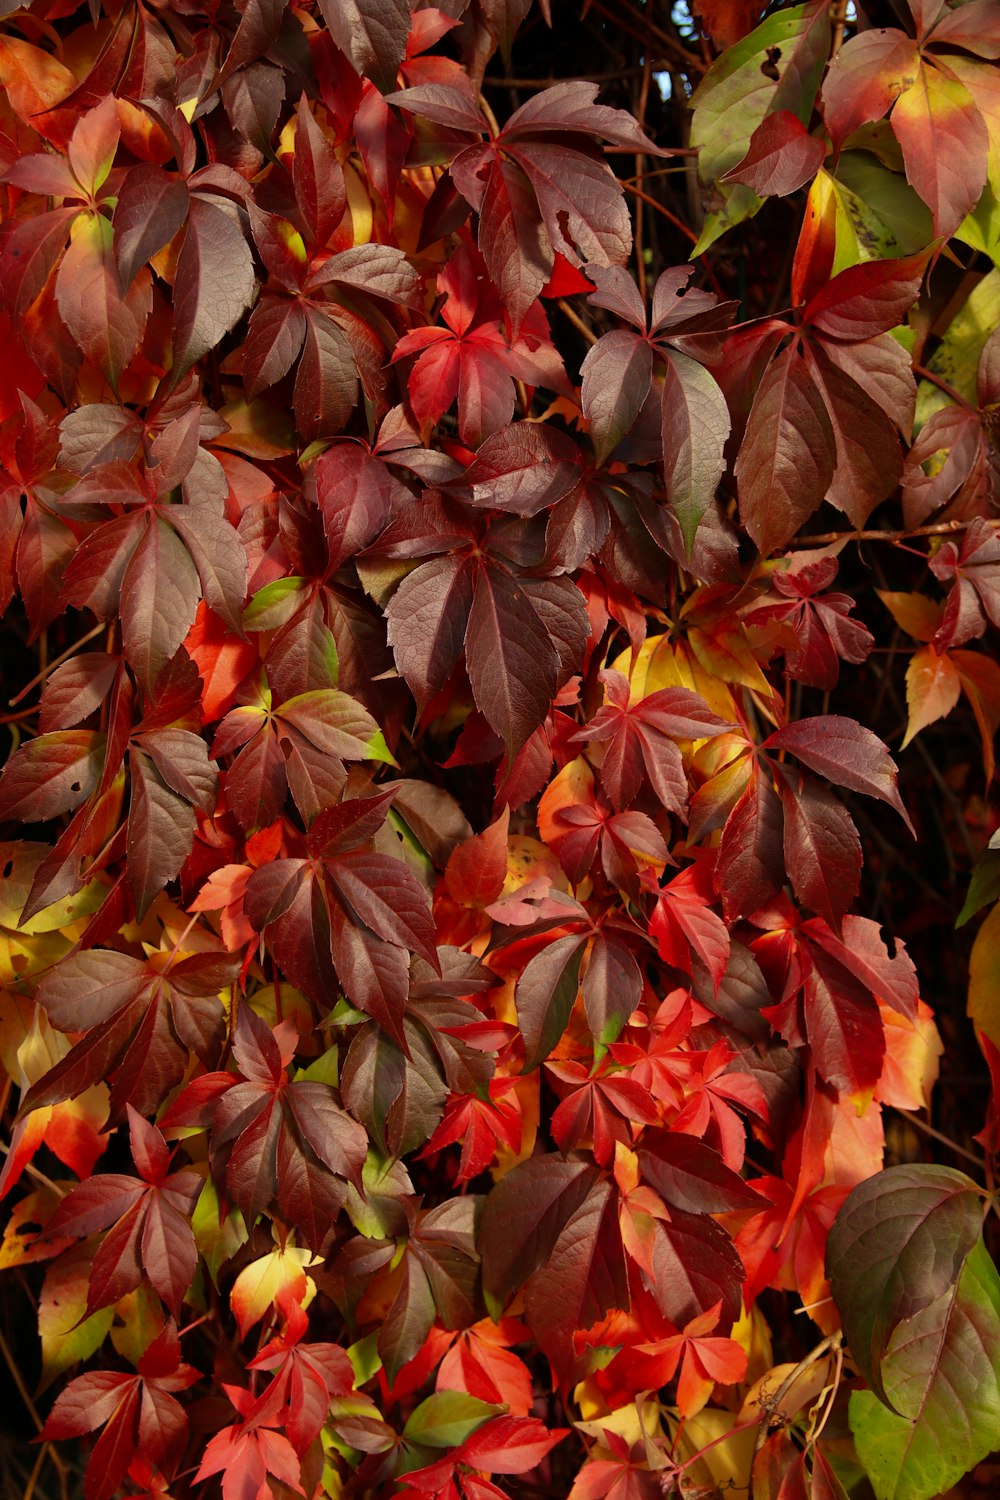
[844, 752]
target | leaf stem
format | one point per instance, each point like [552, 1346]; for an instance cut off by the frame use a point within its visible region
[832, 1341]
[57, 662]
[938, 1135]
[577, 322]
[942, 385]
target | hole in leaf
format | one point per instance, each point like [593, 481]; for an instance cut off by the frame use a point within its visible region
[769, 66]
[8, 869]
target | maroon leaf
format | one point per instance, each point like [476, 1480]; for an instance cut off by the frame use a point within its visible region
[159, 597]
[782, 156]
[616, 378]
[867, 299]
[151, 208]
[215, 280]
[106, 321]
[512, 660]
[427, 618]
[750, 870]
[787, 458]
[821, 846]
[545, 995]
[688, 1174]
[868, 458]
[523, 468]
[583, 1277]
[372, 33]
[51, 774]
[844, 752]
[695, 427]
[945, 145]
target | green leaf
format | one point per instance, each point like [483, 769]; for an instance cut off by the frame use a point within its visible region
[897, 1245]
[941, 1373]
[984, 887]
[67, 1336]
[956, 359]
[882, 214]
[274, 604]
[218, 1236]
[447, 1418]
[778, 66]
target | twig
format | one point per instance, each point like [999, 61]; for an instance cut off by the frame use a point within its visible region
[942, 385]
[29, 1489]
[838, 1371]
[63, 656]
[642, 30]
[832, 1341]
[576, 320]
[938, 1135]
[30, 1406]
[546, 83]
[661, 209]
[640, 158]
[940, 528]
[838, 15]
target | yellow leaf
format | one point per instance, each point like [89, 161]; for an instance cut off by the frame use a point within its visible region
[984, 978]
[918, 615]
[259, 1285]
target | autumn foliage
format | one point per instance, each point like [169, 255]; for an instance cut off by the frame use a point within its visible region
[467, 545]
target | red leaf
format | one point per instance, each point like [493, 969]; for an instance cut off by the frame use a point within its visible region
[821, 846]
[372, 33]
[510, 1445]
[616, 379]
[867, 299]
[477, 868]
[782, 156]
[945, 145]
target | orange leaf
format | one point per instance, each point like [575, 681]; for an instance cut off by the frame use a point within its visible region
[932, 689]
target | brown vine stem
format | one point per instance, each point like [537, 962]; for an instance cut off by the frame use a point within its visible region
[546, 83]
[937, 1135]
[942, 385]
[940, 528]
[29, 1405]
[824, 1347]
[662, 209]
[577, 322]
[63, 656]
[490, 116]
[640, 263]
[838, 16]
[838, 1371]
[641, 29]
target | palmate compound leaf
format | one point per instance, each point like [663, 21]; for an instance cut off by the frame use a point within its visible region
[541, 186]
[147, 1219]
[140, 1020]
[523, 635]
[137, 1412]
[348, 916]
[940, 1372]
[275, 1140]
